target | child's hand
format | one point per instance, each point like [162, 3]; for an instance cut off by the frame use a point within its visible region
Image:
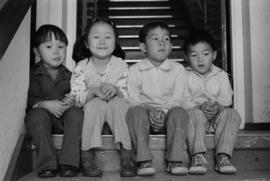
[209, 109]
[69, 100]
[109, 91]
[56, 107]
[157, 119]
[99, 93]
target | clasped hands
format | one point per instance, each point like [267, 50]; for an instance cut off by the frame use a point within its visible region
[210, 109]
[58, 107]
[157, 118]
[106, 91]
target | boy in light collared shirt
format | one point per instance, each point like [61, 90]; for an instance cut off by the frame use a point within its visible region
[156, 88]
[208, 99]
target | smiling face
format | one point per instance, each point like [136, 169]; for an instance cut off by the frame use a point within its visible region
[51, 52]
[201, 57]
[157, 45]
[101, 40]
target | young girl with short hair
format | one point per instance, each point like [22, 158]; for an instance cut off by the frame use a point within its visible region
[99, 85]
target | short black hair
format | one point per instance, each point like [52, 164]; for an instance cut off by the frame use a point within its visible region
[197, 36]
[81, 51]
[147, 27]
[45, 32]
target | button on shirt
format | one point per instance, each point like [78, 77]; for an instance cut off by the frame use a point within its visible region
[161, 87]
[215, 85]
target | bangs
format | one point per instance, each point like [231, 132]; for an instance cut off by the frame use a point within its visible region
[45, 34]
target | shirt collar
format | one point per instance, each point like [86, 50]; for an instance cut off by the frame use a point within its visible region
[62, 74]
[147, 65]
[214, 70]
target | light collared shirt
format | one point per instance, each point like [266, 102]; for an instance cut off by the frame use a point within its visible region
[86, 77]
[161, 87]
[200, 88]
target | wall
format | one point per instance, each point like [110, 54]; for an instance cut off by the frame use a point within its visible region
[14, 75]
[260, 58]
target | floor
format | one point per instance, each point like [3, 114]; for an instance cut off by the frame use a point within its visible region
[260, 175]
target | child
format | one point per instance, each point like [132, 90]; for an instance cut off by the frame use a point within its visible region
[49, 110]
[99, 83]
[156, 88]
[208, 97]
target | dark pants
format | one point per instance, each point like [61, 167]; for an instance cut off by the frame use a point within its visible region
[176, 128]
[40, 124]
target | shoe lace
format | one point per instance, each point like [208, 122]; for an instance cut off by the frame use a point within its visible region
[224, 161]
[145, 164]
[175, 164]
[199, 160]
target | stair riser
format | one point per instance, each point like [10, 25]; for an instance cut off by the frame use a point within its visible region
[242, 159]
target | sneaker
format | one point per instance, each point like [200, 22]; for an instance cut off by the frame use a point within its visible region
[223, 165]
[176, 168]
[127, 168]
[145, 169]
[198, 165]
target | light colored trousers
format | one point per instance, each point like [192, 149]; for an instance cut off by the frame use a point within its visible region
[225, 128]
[96, 113]
[175, 128]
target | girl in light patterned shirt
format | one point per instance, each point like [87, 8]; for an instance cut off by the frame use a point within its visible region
[99, 85]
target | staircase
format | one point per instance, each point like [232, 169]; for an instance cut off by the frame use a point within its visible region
[251, 156]
[252, 149]
[130, 15]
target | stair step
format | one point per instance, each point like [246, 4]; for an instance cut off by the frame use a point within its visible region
[257, 175]
[137, 36]
[251, 152]
[181, 33]
[138, 0]
[139, 8]
[159, 13]
[171, 21]
[141, 17]
[138, 48]
[139, 4]
[245, 140]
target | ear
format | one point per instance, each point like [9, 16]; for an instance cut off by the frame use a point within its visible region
[214, 55]
[142, 47]
[35, 50]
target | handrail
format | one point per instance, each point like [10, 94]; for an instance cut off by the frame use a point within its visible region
[11, 16]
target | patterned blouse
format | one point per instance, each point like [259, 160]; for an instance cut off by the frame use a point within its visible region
[86, 77]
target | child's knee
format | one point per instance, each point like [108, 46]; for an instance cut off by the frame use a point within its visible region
[178, 116]
[38, 119]
[233, 115]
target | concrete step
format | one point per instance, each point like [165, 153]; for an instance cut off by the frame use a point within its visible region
[252, 151]
[260, 175]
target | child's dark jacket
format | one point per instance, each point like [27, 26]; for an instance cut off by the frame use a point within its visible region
[42, 87]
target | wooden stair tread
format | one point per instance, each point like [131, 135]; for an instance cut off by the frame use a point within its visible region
[246, 140]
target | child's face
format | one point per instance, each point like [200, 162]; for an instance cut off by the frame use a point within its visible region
[101, 40]
[201, 57]
[52, 53]
[157, 45]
